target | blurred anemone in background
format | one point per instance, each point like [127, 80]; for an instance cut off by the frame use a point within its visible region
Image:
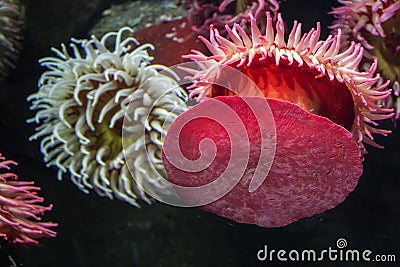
[376, 25]
[80, 107]
[11, 19]
[203, 13]
[20, 209]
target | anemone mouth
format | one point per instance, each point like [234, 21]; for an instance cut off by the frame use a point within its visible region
[307, 53]
[298, 85]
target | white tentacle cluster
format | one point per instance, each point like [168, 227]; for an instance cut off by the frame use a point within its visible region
[81, 104]
[306, 49]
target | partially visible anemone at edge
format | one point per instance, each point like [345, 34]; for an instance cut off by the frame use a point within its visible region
[80, 107]
[11, 19]
[20, 221]
[375, 24]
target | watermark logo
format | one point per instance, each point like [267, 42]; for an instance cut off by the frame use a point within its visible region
[341, 243]
[340, 253]
[157, 184]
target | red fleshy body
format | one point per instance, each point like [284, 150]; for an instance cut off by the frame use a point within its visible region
[316, 165]
[171, 39]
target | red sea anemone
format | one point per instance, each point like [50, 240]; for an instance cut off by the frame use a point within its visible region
[375, 24]
[324, 110]
[20, 210]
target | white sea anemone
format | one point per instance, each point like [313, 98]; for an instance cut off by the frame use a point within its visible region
[10, 34]
[81, 104]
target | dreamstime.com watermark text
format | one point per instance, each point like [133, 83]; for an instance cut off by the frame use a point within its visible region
[333, 254]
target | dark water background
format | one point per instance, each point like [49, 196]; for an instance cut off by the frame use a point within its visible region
[95, 231]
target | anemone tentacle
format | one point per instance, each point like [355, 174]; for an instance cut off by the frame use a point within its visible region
[375, 24]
